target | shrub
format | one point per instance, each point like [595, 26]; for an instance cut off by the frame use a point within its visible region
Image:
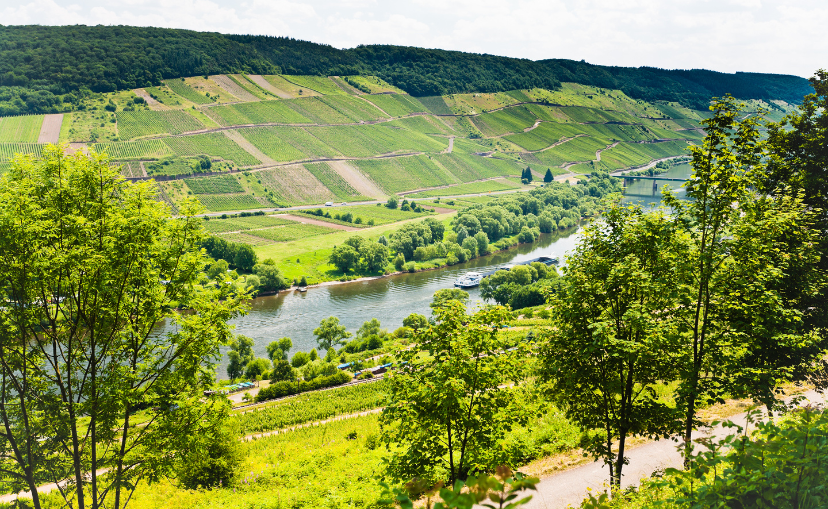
[299, 359]
[282, 389]
[410, 267]
[399, 261]
[214, 461]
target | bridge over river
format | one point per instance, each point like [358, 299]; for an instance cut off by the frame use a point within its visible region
[629, 178]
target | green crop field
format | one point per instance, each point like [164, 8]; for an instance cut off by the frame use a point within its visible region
[9, 151]
[397, 105]
[578, 149]
[302, 140]
[142, 149]
[544, 135]
[421, 124]
[214, 185]
[354, 108]
[487, 186]
[625, 155]
[436, 105]
[313, 406]
[468, 167]
[405, 173]
[213, 145]
[133, 124]
[320, 84]
[273, 146]
[293, 185]
[240, 224]
[264, 112]
[291, 232]
[510, 120]
[373, 84]
[22, 129]
[224, 203]
[181, 88]
[318, 111]
[370, 140]
[333, 181]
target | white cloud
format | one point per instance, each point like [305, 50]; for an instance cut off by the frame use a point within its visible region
[784, 36]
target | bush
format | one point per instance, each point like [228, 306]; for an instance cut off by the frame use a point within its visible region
[410, 267]
[257, 368]
[213, 461]
[282, 389]
[299, 359]
[392, 202]
[399, 261]
[282, 371]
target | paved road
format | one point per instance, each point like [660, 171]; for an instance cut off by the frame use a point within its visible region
[570, 487]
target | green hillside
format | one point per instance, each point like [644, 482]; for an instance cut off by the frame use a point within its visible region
[307, 140]
[48, 69]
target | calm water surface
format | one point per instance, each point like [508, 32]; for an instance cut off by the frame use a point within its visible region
[391, 299]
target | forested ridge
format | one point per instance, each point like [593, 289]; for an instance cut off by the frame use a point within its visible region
[42, 68]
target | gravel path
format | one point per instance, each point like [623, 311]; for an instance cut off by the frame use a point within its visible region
[317, 222]
[571, 487]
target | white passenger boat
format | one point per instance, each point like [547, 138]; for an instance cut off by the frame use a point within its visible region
[469, 280]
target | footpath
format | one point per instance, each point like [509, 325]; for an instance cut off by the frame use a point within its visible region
[570, 487]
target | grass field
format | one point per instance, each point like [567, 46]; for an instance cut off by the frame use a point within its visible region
[470, 188]
[90, 125]
[333, 181]
[133, 124]
[213, 145]
[22, 129]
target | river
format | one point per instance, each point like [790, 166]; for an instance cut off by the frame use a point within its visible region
[391, 299]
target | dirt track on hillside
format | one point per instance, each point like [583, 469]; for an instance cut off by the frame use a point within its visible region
[50, 129]
[317, 222]
[356, 179]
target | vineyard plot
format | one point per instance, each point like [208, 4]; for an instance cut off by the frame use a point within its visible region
[22, 129]
[214, 185]
[213, 145]
[143, 149]
[133, 124]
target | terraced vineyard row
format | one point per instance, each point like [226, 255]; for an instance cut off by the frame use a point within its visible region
[544, 135]
[133, 124]
[625, 155]
[406, 173]
[291, 232]
[470, 188]
[333, 181]
[21, 129]
[223, 203]
[181, 88]
[211, 144]
[397, 105]
[320, 84]
[142, 149]
[294, 185]
[8, 151]
[268, 141]
[468, 167]
[214, 185]
[511, 120]
[240, 224]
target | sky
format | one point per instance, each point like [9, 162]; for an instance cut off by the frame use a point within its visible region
[786, 37]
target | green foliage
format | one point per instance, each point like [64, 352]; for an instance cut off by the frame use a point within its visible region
[609, 342]
[779, 465]
[112, 231]
[240, 354]
[548, 176]
[299, 359]
[415, 322]
[271, 280]
[278, 350]
[330, 333]
[214, 185]
[257, 369]
[447, 408]
[446, 297]
[282, 371]
[344, 258]
[214, 460]
[287, 388]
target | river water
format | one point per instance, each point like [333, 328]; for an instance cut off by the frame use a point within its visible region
[392, 298]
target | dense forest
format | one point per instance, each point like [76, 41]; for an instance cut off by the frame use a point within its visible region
[46, 68]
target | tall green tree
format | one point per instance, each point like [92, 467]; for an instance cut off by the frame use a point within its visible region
[330, 333]
[448, 407]
[548, 176]
[240, 354]
[735, 270]
[278, 350]
[89, 264]
[612, 340]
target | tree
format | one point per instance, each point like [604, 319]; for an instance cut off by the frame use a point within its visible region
[330, 333]
[482, 243]
[375, 256]
[370, 328]
[217, 269]
[257, 368]
[548, 176]
[612, 341]
[279, 349]
[89, 264]
[447, 404]
[723, 244]
[798, 163]
[215, 457]
[240, 354]
[245, 258]
[344, 258]
[392, 202]
[415, 322]
[270, 277]
[282, 371]
[445, 296]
